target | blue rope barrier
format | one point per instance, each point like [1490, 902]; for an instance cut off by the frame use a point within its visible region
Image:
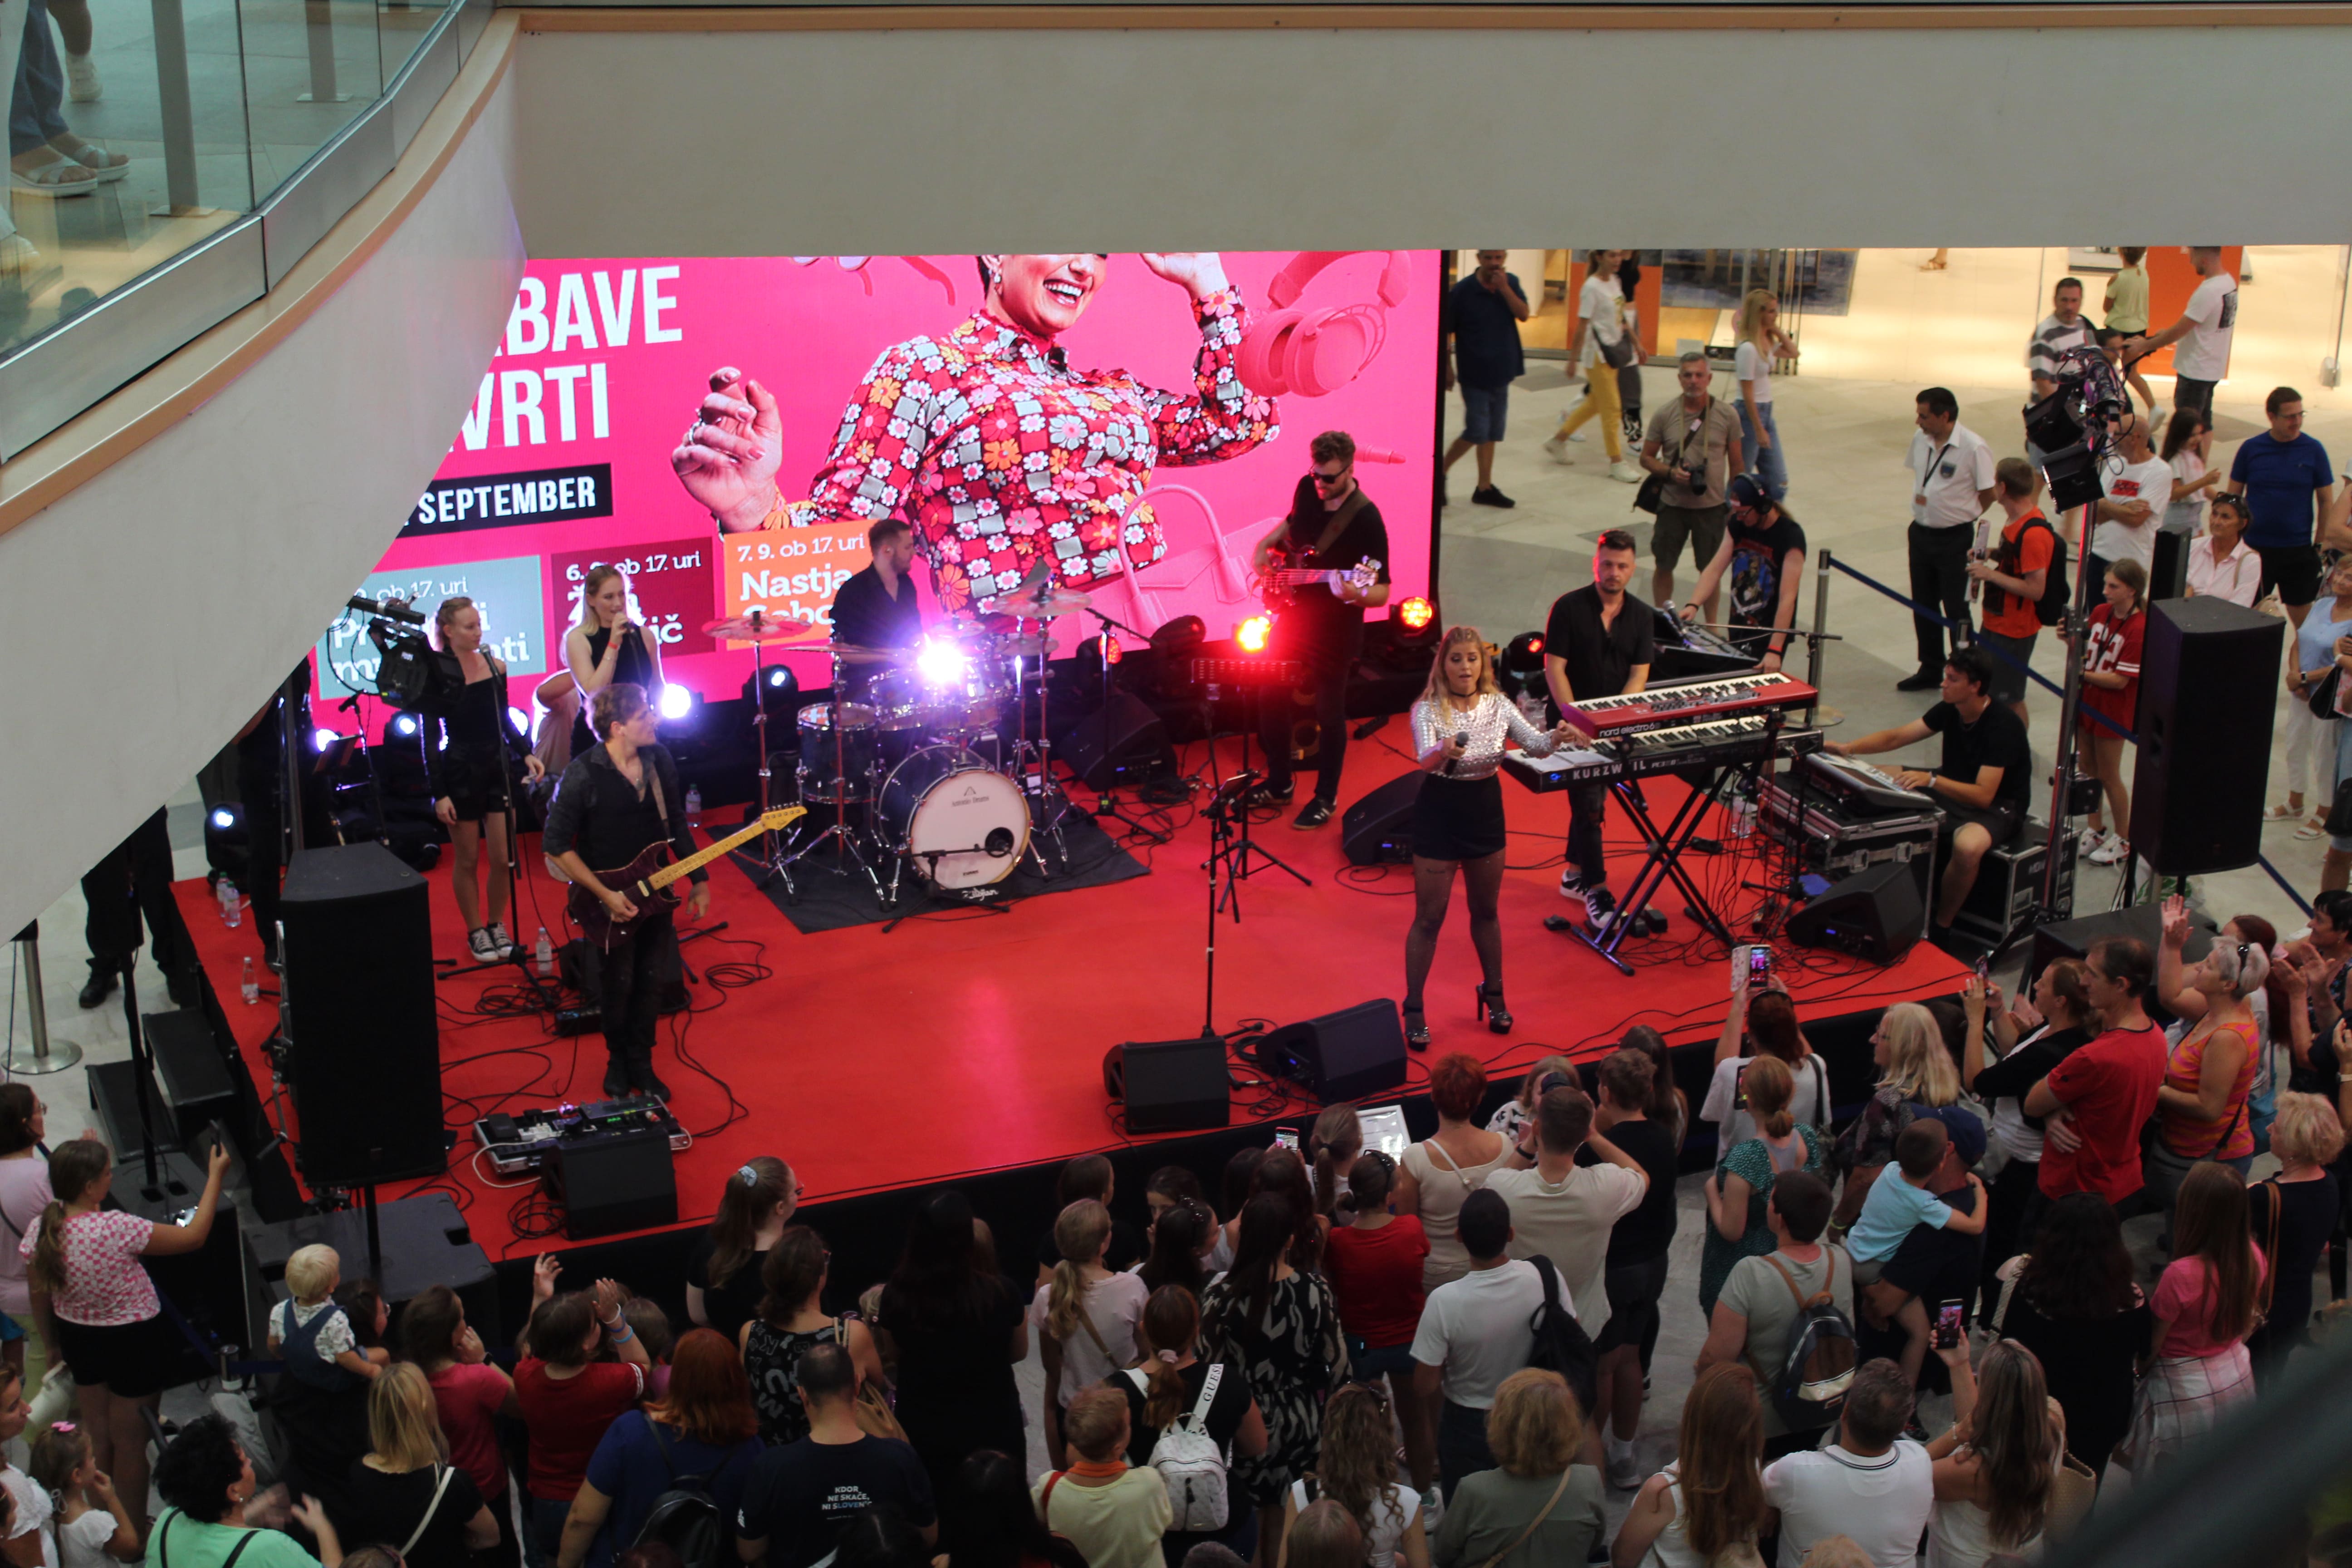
[2030, 674]
[2285, 885]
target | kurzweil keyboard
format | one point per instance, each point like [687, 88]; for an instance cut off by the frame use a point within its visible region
[1714, 742]
[1863, 790]
[1657, 707]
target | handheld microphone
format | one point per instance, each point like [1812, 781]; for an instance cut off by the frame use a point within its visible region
[1460, 738]
[390, 609]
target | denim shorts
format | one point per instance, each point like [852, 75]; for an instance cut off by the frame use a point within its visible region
[1483, 408]
[1366, 1364]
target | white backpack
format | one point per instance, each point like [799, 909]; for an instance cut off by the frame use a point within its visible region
[1189, 1461]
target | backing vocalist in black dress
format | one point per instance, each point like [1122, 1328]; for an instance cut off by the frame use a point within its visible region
[1459, 728]
[472, 776]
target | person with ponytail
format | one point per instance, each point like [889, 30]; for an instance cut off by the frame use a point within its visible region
[1085, 1316]
[1708, 1504]
[1737, 1226]
[723, 1285]
[792, 1321]
[1181, 1236]
[86, 1274]
[1375, 1269]
[23, 1194]
[91, 1526]
[1334, 1145]
[1163, 1390]
[1090, 1176]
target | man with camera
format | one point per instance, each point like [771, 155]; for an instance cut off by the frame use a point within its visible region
[1693, 444]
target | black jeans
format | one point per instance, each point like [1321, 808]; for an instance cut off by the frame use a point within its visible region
[134, 879]
[1277, 710]
[2187, 391]
[1588, 812]
[1461, 1445]
[1940, 581]
[631, 992]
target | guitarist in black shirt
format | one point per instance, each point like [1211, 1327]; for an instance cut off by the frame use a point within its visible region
[1332, 527]
[614, 801]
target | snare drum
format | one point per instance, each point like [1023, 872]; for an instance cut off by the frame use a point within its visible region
[833, 772]
[960, 823]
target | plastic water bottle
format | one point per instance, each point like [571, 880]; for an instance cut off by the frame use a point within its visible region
[543, 954]
[249, 987]
[232, 906]
[1743, 816]
[694, 806]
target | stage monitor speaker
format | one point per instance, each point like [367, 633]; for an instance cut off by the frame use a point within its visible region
[1378, 829]
[2207, 670]
[613, 1182]
[1170, 1086]
[365, 1056]
[1875, 914]
[1346, 1054]
[1137, 744]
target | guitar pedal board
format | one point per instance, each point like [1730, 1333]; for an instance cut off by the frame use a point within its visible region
[518, 1145]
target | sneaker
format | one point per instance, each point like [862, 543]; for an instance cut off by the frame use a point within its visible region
[1267, 794]
[479, 941]
[1316, 814]
[1557, 450]
[1626, 473]
[1924, 680]
[1490, 496]
[82, 85]
[1572, 883]
[2109, 849]
[1599, 907]
[501, 940]
[1432, 1507]
[1575, 436]
[1624, 1472]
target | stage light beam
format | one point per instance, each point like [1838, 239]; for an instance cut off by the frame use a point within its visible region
[322, 738]
[941, 663]
[1251, 635]
[223, 818]
[1416, 614]
[521, 721]
[676, 702]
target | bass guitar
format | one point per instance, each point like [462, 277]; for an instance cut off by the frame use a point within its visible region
[646, 881]
[1278, 585]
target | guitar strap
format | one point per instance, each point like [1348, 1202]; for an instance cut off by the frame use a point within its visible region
[1340, 522]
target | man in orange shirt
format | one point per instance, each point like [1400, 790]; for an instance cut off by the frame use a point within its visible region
[2014, 578]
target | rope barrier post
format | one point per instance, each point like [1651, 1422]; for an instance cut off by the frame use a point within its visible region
[1815, 643]
[46, 1054]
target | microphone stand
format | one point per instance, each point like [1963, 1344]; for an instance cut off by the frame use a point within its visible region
[1106, 800]
[1225, 850]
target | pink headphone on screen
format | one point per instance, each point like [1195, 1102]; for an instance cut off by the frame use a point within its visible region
[1311, 352]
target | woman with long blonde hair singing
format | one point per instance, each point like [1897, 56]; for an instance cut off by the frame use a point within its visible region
[1459, 728]
[608, 646]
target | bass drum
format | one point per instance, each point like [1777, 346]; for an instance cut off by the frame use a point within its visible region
[959, 821]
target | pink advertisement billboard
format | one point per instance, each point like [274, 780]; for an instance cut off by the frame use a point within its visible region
[1126, 425]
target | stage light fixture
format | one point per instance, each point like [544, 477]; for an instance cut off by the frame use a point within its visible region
[1108, 649]
[940, 663]
[781, 678]
[1416, 614]
[1175, 638]
[1523, 655]
[404, 725]
[322, 738]
[676, 701]
[223, 818]
[1249, 636]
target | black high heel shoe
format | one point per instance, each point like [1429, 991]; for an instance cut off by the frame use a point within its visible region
[1491, 1008]
[1416, 1030]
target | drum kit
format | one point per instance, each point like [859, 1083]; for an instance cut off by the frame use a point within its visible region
[925, 754]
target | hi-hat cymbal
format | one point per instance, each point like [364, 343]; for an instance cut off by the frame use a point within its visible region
[1035, 645]
[757, 626]
[858, 652]
[1041, 604]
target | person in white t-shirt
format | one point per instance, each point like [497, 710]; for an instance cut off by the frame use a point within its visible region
[1565, 1211]
[1599, 332]
[1873, 1485]
[1473, 1333]
[1085, 1316]
[1951, 485]
[1761, 343]
[2136, 496]
[2202, 334]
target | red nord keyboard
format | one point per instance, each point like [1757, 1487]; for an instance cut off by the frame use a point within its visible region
[1687, 702]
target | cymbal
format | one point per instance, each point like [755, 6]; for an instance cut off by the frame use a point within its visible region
[758, 626]
[1041, 604]
[858, 652]
[1035, 645]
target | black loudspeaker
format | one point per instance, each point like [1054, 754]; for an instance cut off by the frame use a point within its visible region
[611, 1182]
[1378, 829]
[365, 1058]
[1169, 1085]
[195, 1081]
[2207, 672]
[2167, 572]
[1876, 914]
[1138, 745]
[1346, 1054]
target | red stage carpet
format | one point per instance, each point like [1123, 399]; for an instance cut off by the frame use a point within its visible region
[973, 1041]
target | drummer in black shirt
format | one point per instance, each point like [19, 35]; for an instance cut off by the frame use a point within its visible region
[1598, 643]
[1332, 526]
[1983, 783]
[877, 607]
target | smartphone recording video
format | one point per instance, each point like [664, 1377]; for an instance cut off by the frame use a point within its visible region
[1948, 1325]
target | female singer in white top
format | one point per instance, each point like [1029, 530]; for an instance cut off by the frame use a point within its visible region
[1459, 728]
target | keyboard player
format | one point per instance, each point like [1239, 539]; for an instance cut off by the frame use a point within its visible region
[1981, 783]
[1597, 643]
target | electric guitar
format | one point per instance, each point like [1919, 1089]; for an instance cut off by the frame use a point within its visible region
[646, 881]
[1278, 585]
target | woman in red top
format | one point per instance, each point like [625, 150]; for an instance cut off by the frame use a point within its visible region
[2111, 688]
[567, 1398]
[469, 1390]
[1375, 1269]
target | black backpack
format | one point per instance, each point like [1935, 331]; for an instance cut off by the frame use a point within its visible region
[2051, 608]
[1562, 1344]
[1809, 1388]
[684, 1517]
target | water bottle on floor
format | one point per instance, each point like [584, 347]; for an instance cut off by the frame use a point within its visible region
[248, 986]
[543, 954]
[694, 806]
[232, 906]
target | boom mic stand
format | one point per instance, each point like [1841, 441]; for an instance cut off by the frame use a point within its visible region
[1225, 852]
[1106, 798]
